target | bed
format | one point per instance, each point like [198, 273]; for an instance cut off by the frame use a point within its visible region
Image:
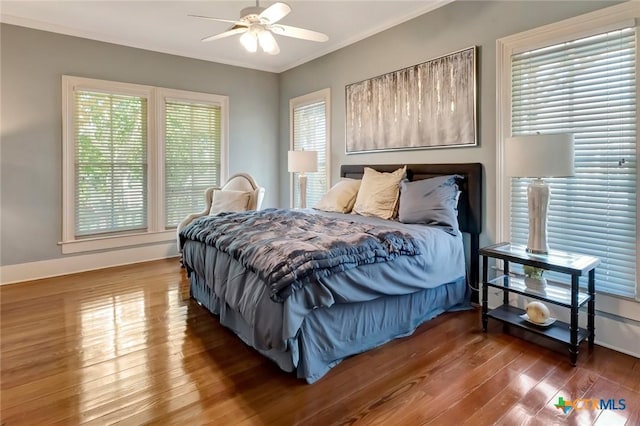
[311, 328]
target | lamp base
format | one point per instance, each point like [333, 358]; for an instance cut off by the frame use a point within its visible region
[302, 180]
[538, 200]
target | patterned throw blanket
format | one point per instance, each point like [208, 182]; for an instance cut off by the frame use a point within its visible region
[288, 249]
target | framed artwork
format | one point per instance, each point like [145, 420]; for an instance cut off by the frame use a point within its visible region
[428, 105]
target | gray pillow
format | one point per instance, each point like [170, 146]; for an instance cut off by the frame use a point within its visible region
[430, 201]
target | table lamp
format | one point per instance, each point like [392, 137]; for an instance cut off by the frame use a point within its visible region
[303, 162]
[539, 156]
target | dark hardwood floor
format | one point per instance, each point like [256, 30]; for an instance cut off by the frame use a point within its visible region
[128, 345]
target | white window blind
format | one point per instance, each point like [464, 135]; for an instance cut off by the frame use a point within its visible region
[586, 87]
[192, 157]
[310, 134]
[110, 137]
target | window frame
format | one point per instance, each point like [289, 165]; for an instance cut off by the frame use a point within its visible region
[607, 19]
[156, 231]
[323, 95]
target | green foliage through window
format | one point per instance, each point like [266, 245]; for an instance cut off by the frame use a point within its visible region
[110, 163]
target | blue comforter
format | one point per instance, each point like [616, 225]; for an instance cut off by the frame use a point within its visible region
[290, 249]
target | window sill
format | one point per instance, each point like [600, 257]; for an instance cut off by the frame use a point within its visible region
[104, 243]
[614, 304]
[617, 305]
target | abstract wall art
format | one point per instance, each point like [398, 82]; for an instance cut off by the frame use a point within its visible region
[428, 105]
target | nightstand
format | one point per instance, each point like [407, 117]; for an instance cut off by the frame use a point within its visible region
[572, 298]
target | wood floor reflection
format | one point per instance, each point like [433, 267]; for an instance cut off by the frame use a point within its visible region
[128, 345]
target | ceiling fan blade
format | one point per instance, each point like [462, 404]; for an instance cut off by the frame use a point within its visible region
[217, 19]
[275, 12]
[295, 32]
[226, 34]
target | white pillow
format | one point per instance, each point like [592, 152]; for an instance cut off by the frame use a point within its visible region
[341, 197]
[378, 194]
[229, 201]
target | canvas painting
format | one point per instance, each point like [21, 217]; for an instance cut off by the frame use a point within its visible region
[428, 105]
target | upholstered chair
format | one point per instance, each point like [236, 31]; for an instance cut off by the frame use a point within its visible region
[242, 182]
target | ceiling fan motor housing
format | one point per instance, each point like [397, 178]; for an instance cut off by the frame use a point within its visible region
[251, 13]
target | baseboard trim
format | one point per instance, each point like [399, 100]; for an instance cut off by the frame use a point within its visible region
[11, 274]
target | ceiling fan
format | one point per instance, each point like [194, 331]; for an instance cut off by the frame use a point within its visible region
[257, 26]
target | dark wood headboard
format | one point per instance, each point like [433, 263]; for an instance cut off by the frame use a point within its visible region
[469, 206]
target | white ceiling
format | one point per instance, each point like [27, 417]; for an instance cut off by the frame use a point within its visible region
[164, 26]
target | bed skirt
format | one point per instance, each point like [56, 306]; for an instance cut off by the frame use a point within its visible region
[329, 335]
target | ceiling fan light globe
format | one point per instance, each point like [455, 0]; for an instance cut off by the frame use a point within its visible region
[250, 41]
[268, 43]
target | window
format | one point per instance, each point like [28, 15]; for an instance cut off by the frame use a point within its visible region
[136, 160]
[310, 132]
[586, 86]
[193, 156]
[110, 163]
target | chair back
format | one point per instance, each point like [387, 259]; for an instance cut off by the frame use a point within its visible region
[243, 182]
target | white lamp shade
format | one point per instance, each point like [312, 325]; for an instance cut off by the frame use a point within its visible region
[540, 155]
[303, 161]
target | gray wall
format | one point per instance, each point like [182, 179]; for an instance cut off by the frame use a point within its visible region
[31, 146]
[33, 61]
[453, 27]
